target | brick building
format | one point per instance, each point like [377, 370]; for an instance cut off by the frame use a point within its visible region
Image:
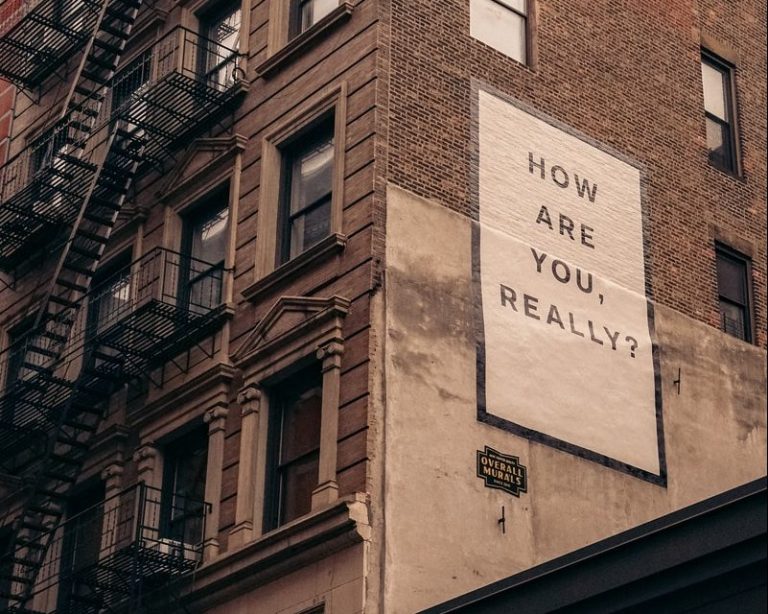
[322, 306]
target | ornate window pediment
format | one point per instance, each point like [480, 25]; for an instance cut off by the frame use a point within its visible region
[292, 323]
[215, 156]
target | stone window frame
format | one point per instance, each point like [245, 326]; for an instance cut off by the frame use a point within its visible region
[331, 102]
[204, 402]
[266, 358]
[223, 161]
[282, 47]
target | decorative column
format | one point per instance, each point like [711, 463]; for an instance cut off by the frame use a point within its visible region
[327, 490]
[216, 419]
[249, 399]
[145, 458]
[148, 471]
[112, 476]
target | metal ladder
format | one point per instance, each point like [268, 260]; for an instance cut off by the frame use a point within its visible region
[72, 405]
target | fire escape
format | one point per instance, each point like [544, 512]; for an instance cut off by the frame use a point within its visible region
[88, 340]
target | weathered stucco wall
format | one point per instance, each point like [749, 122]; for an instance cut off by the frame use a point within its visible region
[442, 535]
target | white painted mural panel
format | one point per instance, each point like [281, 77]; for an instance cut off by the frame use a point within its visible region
[565, 351]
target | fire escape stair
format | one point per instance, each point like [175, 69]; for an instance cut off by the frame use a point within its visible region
[38, 37]
[69, 407]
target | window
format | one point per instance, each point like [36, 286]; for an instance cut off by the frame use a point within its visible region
[294, 447]
[185, 462]
[719, 113]
[109, 302]
[204, 247]
[80, 546]
[221, 30]
[14, 370]
[306, 13]
[111, 297]
[302, 188]
[128, 86]
[733, 274]
[307, 190]
[49, 166]
[501, 24]
[57, 16]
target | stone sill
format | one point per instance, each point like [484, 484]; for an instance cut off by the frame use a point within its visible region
[306, 540]
[304, 40]
[329, 246]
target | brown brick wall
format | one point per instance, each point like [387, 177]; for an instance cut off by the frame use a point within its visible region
[626, 74]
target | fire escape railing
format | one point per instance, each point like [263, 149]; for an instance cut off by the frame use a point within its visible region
[76, 178]
[171, 301]
[158, 100]
[109, 556]
[37, 36]
[173, 87]
[131, 323]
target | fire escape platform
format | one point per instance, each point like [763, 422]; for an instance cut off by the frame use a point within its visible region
[36, 37]
[176, 107]
[156, 332]
[33, 408]
[46, 204]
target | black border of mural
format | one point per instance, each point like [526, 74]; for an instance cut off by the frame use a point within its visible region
[483, 414]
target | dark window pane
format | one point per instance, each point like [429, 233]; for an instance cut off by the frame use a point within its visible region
[311, 175]
[733, 319]
[301, 425]
[299, 480]
[222, 30]
[731, 279]
[186, 461]
[733, 290]
[205, 242]
[209, 237]
[129, 83]
[309, 183]
[719, 144]
[718, 107]
[310, 228]
[80, 544]
[295, 416]
[112, 301]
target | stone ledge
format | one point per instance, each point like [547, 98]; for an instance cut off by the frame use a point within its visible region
[332, 244]
[303, 41]
[306, 540]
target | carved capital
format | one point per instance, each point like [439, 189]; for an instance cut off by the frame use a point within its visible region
[330, 354]
[249, 399]
[144, 453]
[145, 457]
[112, 473]
[216, 418]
